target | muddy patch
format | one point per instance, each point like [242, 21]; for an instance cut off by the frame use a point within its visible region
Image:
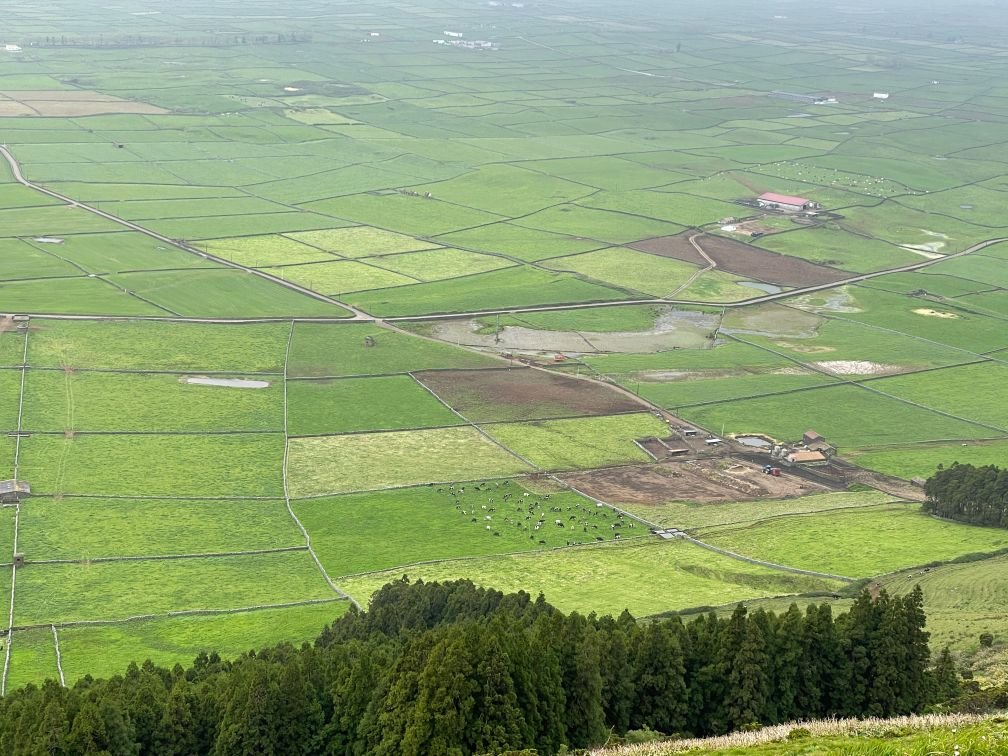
[754, 263]
[857, 367]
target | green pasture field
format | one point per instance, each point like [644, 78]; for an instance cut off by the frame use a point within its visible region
[728, 356]
[929, 280]
[107, 650]
[402, 213]
[11, 349]
[977, 392]
[717, 286]
[73, 296]
[10, 389]
[32, 658]
[7, 521]
[370, 461]
[839, 339]
[228, 226]
[977, 268]
[991, 303]
[961, 600]
[51, 220]
[669, 205]
[615, 319]
[965, 330]
[857, 542]
[346, 405]
[360, 241]
[439, 264]
[997, 251]
[689, 515]
[54, 593]
[258, 251]
[983, 206]
[390, 521]
[147, 210]
[56, 400]
[901, 225]
[921, 461]
[20, 259]
[150, 465]
[627, 269]
[319, 350]
[336, 278]
[613, 173]
[223, 294]
[829, 245]
[608, 579]
[88, 192]
[579, 443]
[506, 190]
[123, 250]
[601, 225]
[694, 389]
[83, 528]
[137, 345]
[848, 416]
[520, 286]
[527, 244]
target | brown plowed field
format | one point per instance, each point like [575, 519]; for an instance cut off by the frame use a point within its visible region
[743, 259]
[523, 394]
[707, 481]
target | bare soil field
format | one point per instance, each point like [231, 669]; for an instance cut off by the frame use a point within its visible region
[707, 481]
[523, 394]
[743, 259]
[69, 103]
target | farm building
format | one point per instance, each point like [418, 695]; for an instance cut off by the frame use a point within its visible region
[806, 457]
[12, 491]
[811, 437]
[784, 202]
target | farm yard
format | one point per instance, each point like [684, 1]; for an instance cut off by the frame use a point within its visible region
[282, 321]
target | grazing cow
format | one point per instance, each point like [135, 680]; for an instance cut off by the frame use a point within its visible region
[617, 536]
[542, 543]
[558, 523]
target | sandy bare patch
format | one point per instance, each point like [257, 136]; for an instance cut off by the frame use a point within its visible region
[805, 348]
[856, 367]
[936, 313]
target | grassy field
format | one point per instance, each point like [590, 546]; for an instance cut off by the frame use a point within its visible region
[606, 577]
[422, 524]
[111, 590]
[33, 657]
[638, 271]
[846, 415]
[887, 538]
[690, 515]
[347, 405]
[108, 650]
[151, 465]
[56, 400]
[923, 460]
[578, 443]
[325, 350]
[366, 461]
[85, 528]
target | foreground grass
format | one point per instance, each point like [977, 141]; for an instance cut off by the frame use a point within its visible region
[915, 735]
[644, 577]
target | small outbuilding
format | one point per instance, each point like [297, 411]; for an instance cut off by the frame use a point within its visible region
[13, 491]
[811, 437]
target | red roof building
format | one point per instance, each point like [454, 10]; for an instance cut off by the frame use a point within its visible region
[783, 201]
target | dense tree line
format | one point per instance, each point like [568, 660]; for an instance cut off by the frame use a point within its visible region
[455, 669]
[977, 495]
